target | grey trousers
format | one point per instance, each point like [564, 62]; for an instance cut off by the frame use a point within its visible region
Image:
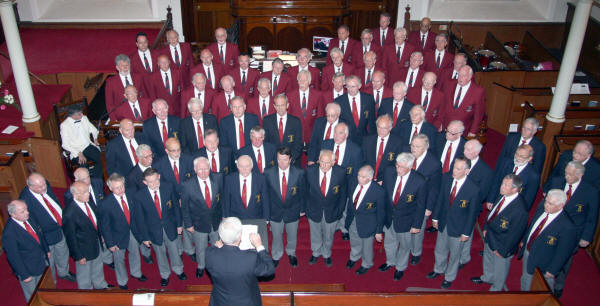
[134, 261]
[163, 261]
[397, 247]
[360, 247]
[495, 269]
[201, 241]
[59, 259]
[262, 230]
[527, 278]
[106, 255]
[341, 224]
[445, 245]
[417, 241]
[465, 256]
[91, 275]
[145, 251]
[291, 231]
[188, 243]
[559, 283]
[321, 237]
[29, 287]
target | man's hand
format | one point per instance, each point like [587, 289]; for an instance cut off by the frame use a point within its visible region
[463, 238]
[434, 224]
[49, 254]
[310, 163]
[179, 230]
[82, 261]
[147, 243]
[484, 233]
[302, 214]
[219, 244]
[96, 142]
[583, 243]
[498, 254]
[489, 205]
[548, 275]
[380, 183]
[379, 237]
[27, 280]
[415, 230]
[471, 135]
[82, 160]
[427, 212]
[190, 229]
[114, 249]
[255, 240]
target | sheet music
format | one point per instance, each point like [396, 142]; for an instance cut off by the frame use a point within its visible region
[143, 299]
[247, 229]
[10, 129]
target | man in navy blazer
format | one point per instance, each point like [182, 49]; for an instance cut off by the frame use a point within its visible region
[527, 136]
[583, 152]
[284, 129]
[194, 127]
[247, 197]
[161, 127]
[286, 185]
[503, 229]
[220, 157]
[27, 256]
[325, 202]
[201, 208]
[134, 179]
[162, 223]
[83, 237]
[454, 216]
[521, 166]
[120, 222]
[323, 129]
[357, 109]
[582, 207]
[417, 125]
[263, 154]
[397, 107]
[46, 211]
[380, 150]
[406, 196]
[450, 144]
[548, 241]
[234, 129]
[120, 151]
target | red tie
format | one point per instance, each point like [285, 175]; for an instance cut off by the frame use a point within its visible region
[165, 135]
[337, 153]
[569, 192]
[516, 168]
[31, 232]
[446, 166]
[328, 134]
[398, 192]
[157, 204]
[280, 130]
[497, 211]
[414, 133]
[244, 196]
[89, 213]
[52, 211]
[133, 151]
[457, 100]
[241, 132]
[379, 158]
[259, 162]
[438, 61]
[357, 196]
[176, 171]
[395, 115]
[324, 184]
[414, 167]
[200, 135]
[207, 195]
[537, 232]
[213, 164]
[283, 188]
[453, 193]
[125, 210]
[355, 111]
[523, 142]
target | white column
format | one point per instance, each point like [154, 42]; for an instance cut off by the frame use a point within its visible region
[569, 62]
[17, 61]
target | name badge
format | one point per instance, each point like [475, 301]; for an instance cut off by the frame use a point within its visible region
[336, 189]
[463, 203]
[470, 108]
[391, 156]
[410, 198]
[370, 205]
[258, 198]
[291, 138]
[579, 207]
[294, 190]
[551, 240]
[503, 223]
[348, 170]
[169, 204]
[218, 197]
[366, 114]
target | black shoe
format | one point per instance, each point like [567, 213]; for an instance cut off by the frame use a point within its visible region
[398, 275]
[480, 253]
[446, 284]
[312, 260]
[192, 257]
[460, 266]
[199, 273]
[276, 262]
[164, 282]
[557, 293]
[350, 264]
[141, 278]
[124, 287]
[182, 276]
[431, 229]
[109, 286]
[345, 236]
[361, 270]
[293, 260]
[69, 277]
[328, 262]
[384, 267]
[415, 260]
[148, 259]
[477, 280]
[432, 275]
[111, 265]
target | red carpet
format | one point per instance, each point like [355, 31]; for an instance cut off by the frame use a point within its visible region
[581, 287]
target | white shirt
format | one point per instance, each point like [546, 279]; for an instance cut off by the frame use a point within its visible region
[135, 105]
[362, 193]
[519, 169]
[441, 54]
[174, 162]
[399, 105]
[332, 125]
[242, 71]
[551, 218]
[50, 200]
[201, 122]
[357, 104]
[412, 129]
[415, 72]
[282, 118]
[303, 94]
[22, 224]
[157, 193]
[454, 74]
[337, 69]
[328, 176]
[214, 154]
[172, 49]
[369, 71]
[248, 186]
[262, 155]
[128, 147]
[342, 148]
[404, 180]
[222, 48]
[160, 126]
[454, 149]
[375, 91]
[210, 69]
[459, 184]
[474, 162]
[383, 34]
[287, 177]
[142, 167]
[119, 202]
[76, 136]
[273, 79]
[237, 130]
[93, 195]
[345, 42]
[201, 182]
[128, 76]
[202, 95]
[337, 93]
[164, 75]
[400, 48]
[82, 206]
[265, 101]
[366, 48]
[573, 187]
[507, 200]
[385, 141]
[424, 37]
[148, 57]
[463, 92]
[420, 159]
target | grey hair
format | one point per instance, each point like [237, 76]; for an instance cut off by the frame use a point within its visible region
[558, 195]
[122, 58]
[405, 158]
[193, 101]
[230, 230]
[335, 50]
[516, 181]
[304, 72]
[578, 166]
[264, 80]
[369, 170]
[401, 85]
[423, 137]
[141, 149]
[199, 159]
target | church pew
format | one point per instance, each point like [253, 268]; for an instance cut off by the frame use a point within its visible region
[265, 287]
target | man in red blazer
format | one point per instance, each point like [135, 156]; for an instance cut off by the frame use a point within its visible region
[305, 103]
[222, 99]
[431, 98]
[350, 47]
[365, 72]
[280, 81]
[338, 81]
[465, 102]
[210, 69]
[226, 53]
[180, 55]
[412, 75]
[115, 85]
[384, 34]
[303, 56]
[143, 61]
[424, 38]
[198, 90]
[440, 58]
[261, 104]
[338, 65]
[450, 75]
[166, 83]
[397, 55]
[135, 109]
[245, 78]
[377, 89]
[366, 39]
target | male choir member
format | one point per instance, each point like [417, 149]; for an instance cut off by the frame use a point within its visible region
[194, 127]
[26, 249]
[133, 108]
[337, 65]
[323, 129]
[235, 127]
[161, 127]
[367, 45]
[306, 104]
[263, 154]
[502, 232]
[366, 69]
[527, 136]
[450, 145]
[431, 99]
[364, 218]
[549, 240]
[349, 47]
[583, 152]
[378, 90]
[326, 199]
[424, 37]
[120, 221]
[337, 88]
[83, 237]
[244, 77]
[46, 211]
[358, 110]
[582, 207]
[280, 81]
[397, 106]
[166, 83]
[162, 223]
[438, 59]
[303, 57]
[120, 151]
[407, 130]
[79, 137]
[406, 197]
[180, 54]
[198, 90]
[219, 156]
[384, 34]
[465, 102]
[134, 179]
[143, 61]
[225, 52]
[449, 76]
[454, 217]
[115, 85]
[287, 191]
[396, 56]
[262, 104]
[380, 150]
[412, 75]
[213, 72]
[201, 208]
[284, 129]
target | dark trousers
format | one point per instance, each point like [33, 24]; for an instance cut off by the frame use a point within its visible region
[92, 154]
